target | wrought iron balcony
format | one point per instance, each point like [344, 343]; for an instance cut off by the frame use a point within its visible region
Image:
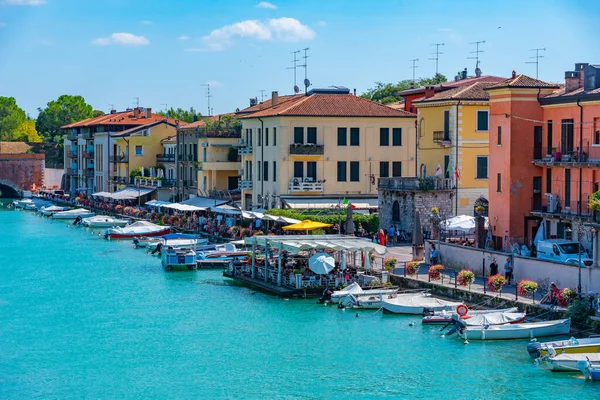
[119, 159]
[87, 135]
[87, 154]
[244, 184]
[245, 150]
[150, 182]
[307, 149]
[72, 154]
[415, 184]
[442, 137]
[305, 185]
[570, 155]
[165, 158]
[71, 171]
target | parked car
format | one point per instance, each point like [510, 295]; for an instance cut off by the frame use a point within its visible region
[562, 250]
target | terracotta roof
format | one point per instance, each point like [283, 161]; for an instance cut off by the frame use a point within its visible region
[577, 92]
[524, 81]
[169, 139]
[14, 147]
[118, 118]
[475, 91]
[452, 84]
[399, 105]
[139, 128]
[200, 122]
[330, 105]
[266, 104]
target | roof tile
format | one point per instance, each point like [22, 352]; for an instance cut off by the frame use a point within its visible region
[524, 81]
[118, 118]
[475, 91]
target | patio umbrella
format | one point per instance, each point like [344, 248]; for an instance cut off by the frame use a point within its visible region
[343, 263]
[306, 225]
[349, 222]
[321, 263]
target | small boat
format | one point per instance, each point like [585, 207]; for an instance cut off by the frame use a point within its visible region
[146, 241]
[48, 211]
[569, 346]
[103, 221]
[22, 203]
[526, 330]
[569, 362]
[591, 371]
[178, 259]
[414, 303]
[356, 290]
[139, 228]
[73, 214]
[443, 317]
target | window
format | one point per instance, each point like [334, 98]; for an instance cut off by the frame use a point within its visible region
[548, 180]
[447, 125]
[354, 137]
[196, 151]
[299, 135]
[384, 136]
[274, 170]
[258, 172]
[311, 135]
[342, 136]
[567, 188]
[204, 154]
[298, 169]
[396, 169]
[139, 150]
[266, 136]
[341, 171]
[384, 169]
[259, 134]
[566, 136]
[354, 171]
[499, 183]
[549, 137]
[265, 171]
[397, 137]
[483, 117]
[274, 136]
[446, 165]
[499, 135]
[311, 170]
[482, 167]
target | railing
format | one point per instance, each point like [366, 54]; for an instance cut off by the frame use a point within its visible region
[441, 137]
[556, 206]
[245, 150]
[88, 172]
[72, 136]
[415, 184]
[71, 154]
[119, 159]
[244, 184]
[71, 171]
[307, 149]
[87, 154]
[169, 182]
[121, 180]
[588, 154]
[148, 182]
[165, 158]
[232, 133]
[87, 135]
[305, 185]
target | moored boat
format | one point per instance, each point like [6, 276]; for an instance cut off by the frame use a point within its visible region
[515, 331]
[139, 228]
[570, 346]
[48, 211]
[443, 317]
[356, 290]
[415, 303]
[103, 221]
[568, 362]
[153, 241]
[73, 214]
[178, 259]
[591, 371]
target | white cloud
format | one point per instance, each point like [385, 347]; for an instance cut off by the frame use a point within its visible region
[183, 37]
[213, 83]
[24, 2]
[146, 22]
[283, 29]
[322, 23]
[125, 39]
[266, 4]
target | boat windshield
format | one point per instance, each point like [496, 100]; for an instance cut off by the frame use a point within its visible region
[570, 248]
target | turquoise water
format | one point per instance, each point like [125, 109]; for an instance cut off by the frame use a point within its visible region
[82, 317]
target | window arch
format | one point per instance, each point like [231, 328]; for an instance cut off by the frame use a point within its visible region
[396, 211]
[482, 201]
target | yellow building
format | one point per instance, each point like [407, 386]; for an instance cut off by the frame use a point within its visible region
[453, 141]
[311, 151]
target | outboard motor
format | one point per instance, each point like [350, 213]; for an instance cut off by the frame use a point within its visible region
[534, 348]
[157, 249]
[428, 312]
[136, 242]
[77, 220]
[326, 296]
[458, 325]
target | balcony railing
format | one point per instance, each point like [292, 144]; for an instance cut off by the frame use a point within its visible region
[88, 172]
[148, 182]
[121, 180]
[555, 206]
[307, 149]
[87, 135]
[233, 133]
[71, 154]
[165, 158]
[71, 171]
[305, 185]
[119, 159]
[245, 150]
[442, 137]
[415, 184]
[87, 154]
[244, 184]
[567, 155]
[72, 136]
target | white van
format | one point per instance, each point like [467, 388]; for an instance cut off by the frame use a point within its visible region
[561, 250]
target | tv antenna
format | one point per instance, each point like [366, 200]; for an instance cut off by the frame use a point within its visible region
[414, 67]
[208, 96]
[295, 61]
[305, 66]
[166, 109]
[537, 59]
[437, 55]
[137, 101]
[112, 107]
[262, 95]
[476, 52]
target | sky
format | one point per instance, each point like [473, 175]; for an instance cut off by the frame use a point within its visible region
[165, 52]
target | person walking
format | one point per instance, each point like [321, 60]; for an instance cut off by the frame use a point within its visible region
[434, 255]
[508, 271]
[494, 267]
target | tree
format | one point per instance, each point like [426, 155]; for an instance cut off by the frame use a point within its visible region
[386, 93]
[26, 132]
[62, 111]
[11, 117]
[97, 113]
[180, 114]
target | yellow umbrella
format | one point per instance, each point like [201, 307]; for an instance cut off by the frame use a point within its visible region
[306, 225]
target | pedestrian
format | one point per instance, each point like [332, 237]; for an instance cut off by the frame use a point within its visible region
[508, 271]
[494, 267]
[391, 235]
[434, 255]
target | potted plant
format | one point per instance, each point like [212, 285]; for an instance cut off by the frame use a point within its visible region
[480, 210]
[495, 282]
[465, 277]
[435, 272]
[526, 287]
[389, 263]
[567, 296]
[412, 267]
[435, 210]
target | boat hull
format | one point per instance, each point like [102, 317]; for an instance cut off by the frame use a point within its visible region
[178, 260]
[132, 235]
[569, 362]
[516, 331]
[71, 216]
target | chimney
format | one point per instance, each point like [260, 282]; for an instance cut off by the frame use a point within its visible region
[274, 98]
[148, 112]
[113, 111]
[355, 91]
[514, 74]
[429, 91]
[457, 77]
[478, 72]
[580, 67]
[136, 112]
[464, 74]
[571, 81]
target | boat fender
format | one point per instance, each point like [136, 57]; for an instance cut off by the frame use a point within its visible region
[462, 310]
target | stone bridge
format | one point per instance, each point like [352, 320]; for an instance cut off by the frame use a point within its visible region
[19, 172]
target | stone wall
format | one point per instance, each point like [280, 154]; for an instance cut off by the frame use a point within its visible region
[411, 201]
[23, 170]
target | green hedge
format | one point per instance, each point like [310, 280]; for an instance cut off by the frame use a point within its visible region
[368, 221]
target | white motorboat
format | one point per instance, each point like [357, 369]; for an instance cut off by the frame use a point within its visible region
[591, 371]
[152, 242]
[569, 362]
[178, 243]
[585, 345]
[22, 203]
[48, 211]
[103, 221]
[526, 330]
[443, 317]
[73, 214]
[355, 289]
[137, 229]
[178, 259]
[414, 303]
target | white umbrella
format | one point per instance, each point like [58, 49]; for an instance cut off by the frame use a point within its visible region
[343, 263]
[321, 263]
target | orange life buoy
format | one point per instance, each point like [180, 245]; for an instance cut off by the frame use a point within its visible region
[462, 310]
[465, 317]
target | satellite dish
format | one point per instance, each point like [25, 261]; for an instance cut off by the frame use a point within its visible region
[306, 82]
[296, 89]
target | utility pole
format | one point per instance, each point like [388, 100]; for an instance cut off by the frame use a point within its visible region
[208, 96]
[295, 61]
[537, 59]
[476, 52]
[414, 67]
[437, 55]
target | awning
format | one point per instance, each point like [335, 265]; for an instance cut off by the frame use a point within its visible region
[284, 220]
[203, 202]
[225, 209]
[183, 207]
[157, 203]
[306, 203]
[252, 215]
[295, 243]
[130, 193]
[102, 194]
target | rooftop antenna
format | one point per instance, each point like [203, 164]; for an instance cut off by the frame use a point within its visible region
[262, 95]
[477, 51]
[112, 107]
[166, 109]
[414, 67]
[437, 55]
[537, 59]
[295, 61]
[208, 96]
[137, 101]
[305, 66]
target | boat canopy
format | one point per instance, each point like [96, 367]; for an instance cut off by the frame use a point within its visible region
[296, 243]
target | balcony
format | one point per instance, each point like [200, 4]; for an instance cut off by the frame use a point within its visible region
[245, 150]
[169, 183]
[165, 158]
[303, 185]
[148, 182]
[119, 159]
[244, 184]
[553, 206]
[568, 156]
[415, 184]
[72, 154]
[120, 180]
[442, 138]
[72, 136]
[308, 149]
[87, 135]
[71, 171]
[87, 154]
[226, 134]
[220, 166]
[88, 172]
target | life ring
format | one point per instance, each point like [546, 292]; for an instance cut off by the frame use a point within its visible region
[462, 310]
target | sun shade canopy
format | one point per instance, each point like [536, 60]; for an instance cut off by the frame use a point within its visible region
[294, 244]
